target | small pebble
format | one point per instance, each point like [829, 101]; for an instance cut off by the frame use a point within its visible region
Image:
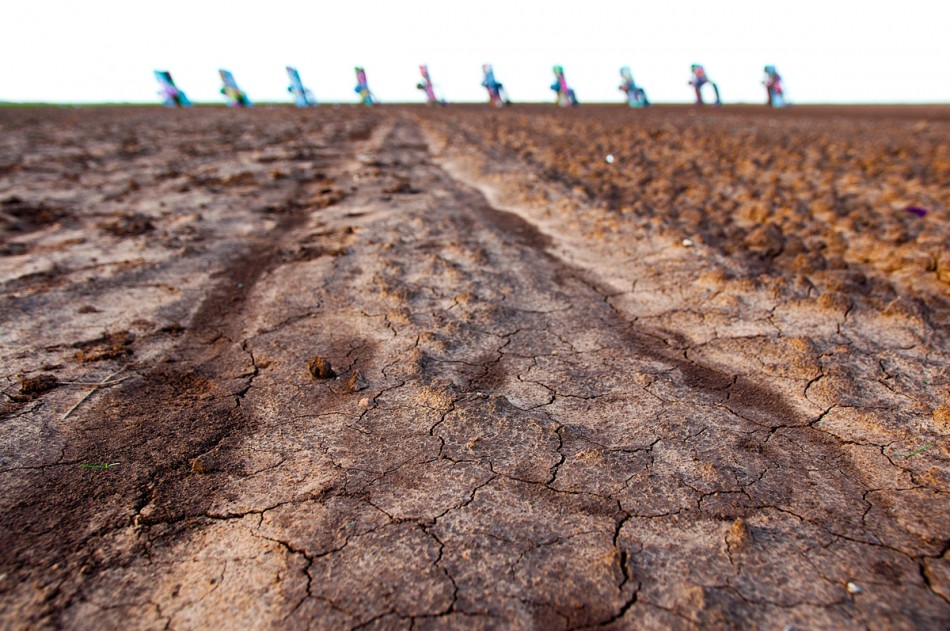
[853, 589]
[364, 402]
[687, 243]
[609, 158]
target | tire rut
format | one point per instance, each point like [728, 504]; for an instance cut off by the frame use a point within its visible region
[160, 427]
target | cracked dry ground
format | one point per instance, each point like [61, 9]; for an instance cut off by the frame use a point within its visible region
[561, 415]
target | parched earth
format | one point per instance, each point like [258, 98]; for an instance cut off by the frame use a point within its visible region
[420, 368]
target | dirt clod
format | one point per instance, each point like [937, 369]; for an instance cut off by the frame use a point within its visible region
[357, 382]
[327, 197]
[320, 368]
[19, 215]
[739, 535]
[941, 417]
[39, 384]
[401, 186]
[129, 225]
[109, 346]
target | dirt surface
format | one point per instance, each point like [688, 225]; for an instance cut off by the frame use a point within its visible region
[457, 368]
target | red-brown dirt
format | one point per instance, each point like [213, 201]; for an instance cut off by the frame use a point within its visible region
[402, 367]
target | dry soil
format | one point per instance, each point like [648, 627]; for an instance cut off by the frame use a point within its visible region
[402, 367]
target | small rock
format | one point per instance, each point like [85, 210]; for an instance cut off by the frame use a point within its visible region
[609, 158]
[357, 382]
[688, 243]
[364, 403]
[853, 589]
[320, 368]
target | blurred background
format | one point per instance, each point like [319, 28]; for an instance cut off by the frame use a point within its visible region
[828, 51]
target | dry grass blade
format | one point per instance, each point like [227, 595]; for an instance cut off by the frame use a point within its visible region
[102, 384]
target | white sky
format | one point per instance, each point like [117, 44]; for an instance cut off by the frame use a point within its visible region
[826, 50]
